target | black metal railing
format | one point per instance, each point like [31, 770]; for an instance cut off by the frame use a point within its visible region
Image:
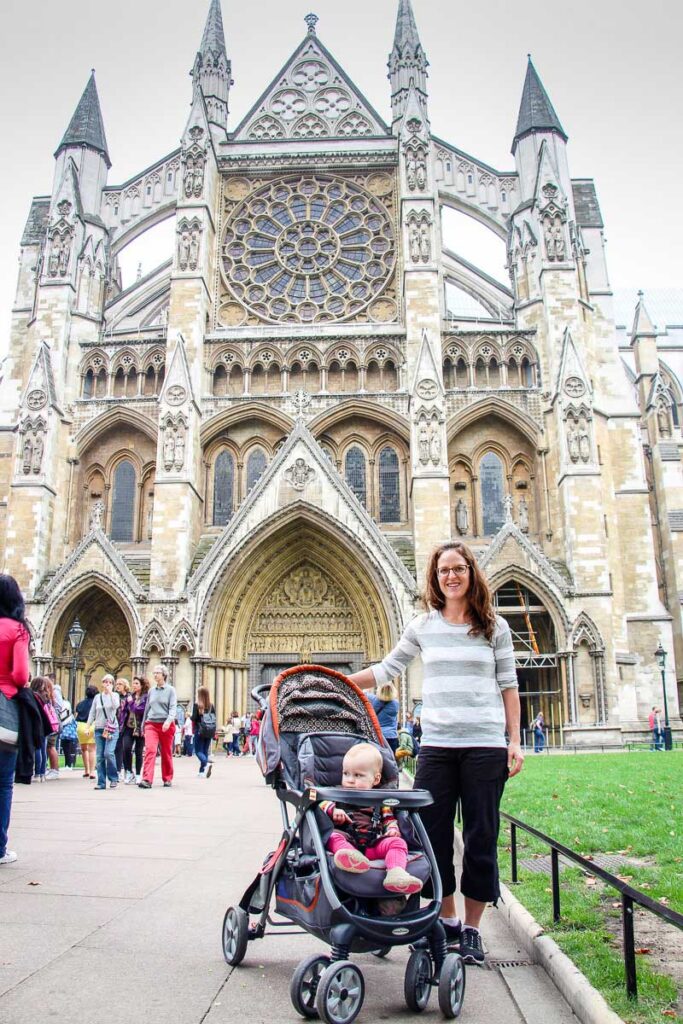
[629, 895]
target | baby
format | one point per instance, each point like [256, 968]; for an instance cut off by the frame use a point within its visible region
[366, 833]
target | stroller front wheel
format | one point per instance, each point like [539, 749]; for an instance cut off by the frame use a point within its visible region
[304, 985]
[417, 986]
[452, 986]
[341, 991]
[235, 935]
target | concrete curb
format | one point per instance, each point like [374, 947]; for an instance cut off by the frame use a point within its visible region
[584, 1000]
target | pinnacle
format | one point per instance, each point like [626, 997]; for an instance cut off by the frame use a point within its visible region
[86, 127]
[536, 112]
[642, 321]
[406, 36]
[213, 40]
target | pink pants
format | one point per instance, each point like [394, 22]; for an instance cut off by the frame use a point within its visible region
[156, 737]
[392, 849]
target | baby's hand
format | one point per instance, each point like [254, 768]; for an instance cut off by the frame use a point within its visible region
[339, 817]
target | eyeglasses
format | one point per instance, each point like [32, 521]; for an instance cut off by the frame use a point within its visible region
[458, 570]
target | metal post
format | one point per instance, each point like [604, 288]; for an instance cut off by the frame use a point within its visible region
[72, 681]
[555, 866]
[513, 853]
[668, 739]
[629, 946]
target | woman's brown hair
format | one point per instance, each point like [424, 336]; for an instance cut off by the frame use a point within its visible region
[203, 699]
[144, 683]
[479, 596]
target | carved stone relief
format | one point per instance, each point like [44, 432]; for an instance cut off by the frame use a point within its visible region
[523, 515]
[299, 474]
[462, 522]
[420, 237]
[578, 436]
[189, 240]
[32, 445]
[194, 164]
[174, 439]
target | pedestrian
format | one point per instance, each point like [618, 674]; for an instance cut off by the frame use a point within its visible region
[470, 700]
[204, 729]
[42, 688]
[235, 723]
[14, 676]
[417, 735]
[122, 687]
[104, 716]
[86, 732]
[158, 728]
[134, 742]
[188, 737]
[53, 709]
[254, 730]
[386, 708]
[68, 735]
[655, 723]
[539, 734]
[180, 716]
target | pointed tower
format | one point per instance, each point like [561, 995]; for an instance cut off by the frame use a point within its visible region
[407, 64]
[538, 122]
[85, 143]
[211, 73]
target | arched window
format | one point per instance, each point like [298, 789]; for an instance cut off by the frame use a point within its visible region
[150, 381]
[526, 373]
[89, 384]
[389, 492]
[351, 377]
[101, 385]
[132, 383]
[119, 383]
[256, 465]
[480, 373]
[492, 493]
[220, 381]
[390, 376]
[123, 502]
[354, 472]
[494, 374]
[223, 486]
[274, 379]
[461, 375]
[372, 377]
[236, 381]
[334, 377]
[673, 406]
[258, 380]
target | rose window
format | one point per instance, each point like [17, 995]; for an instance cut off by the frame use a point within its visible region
[308, 249]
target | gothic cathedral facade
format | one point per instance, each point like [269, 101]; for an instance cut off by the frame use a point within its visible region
[242, 460]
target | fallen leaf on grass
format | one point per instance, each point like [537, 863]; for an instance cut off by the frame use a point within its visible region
[625, 878]
[591, 881]
[34, 883]
[642, 950]
[668, 1013]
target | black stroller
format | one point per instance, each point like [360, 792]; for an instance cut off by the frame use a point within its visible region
[312, 716]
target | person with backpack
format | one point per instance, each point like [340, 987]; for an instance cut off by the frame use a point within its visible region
[104, 715]
[14, 676]
[42, 688]
[204, 725]
[68, 735]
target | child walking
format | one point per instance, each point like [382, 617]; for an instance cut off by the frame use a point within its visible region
[364, 834]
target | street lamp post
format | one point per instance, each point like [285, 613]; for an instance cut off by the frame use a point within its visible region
[76, 637]
[660, 655]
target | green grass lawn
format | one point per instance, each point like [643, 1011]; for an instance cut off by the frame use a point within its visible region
[603, 803]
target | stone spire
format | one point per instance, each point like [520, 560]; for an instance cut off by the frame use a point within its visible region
[86, 127]
[211, 73]
[536, 112]
[407, 62]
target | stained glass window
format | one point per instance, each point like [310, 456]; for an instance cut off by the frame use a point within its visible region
[256, 465]
[492, 493]
[354, 471]
[389, 491]
[123, 503]
[223, 485]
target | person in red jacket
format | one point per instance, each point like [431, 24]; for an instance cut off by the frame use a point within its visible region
[14, 675]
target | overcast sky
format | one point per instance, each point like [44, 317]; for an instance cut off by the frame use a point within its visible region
[612, 71]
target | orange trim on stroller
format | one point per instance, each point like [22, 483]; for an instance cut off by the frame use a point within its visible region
[274, 858]
[295, 903]
[328, 672]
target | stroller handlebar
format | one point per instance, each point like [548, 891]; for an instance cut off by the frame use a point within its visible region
[260, 694]
[401, 799]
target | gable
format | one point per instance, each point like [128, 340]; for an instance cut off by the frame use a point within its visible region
[311, 98]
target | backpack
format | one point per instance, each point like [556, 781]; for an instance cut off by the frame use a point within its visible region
[207, 725]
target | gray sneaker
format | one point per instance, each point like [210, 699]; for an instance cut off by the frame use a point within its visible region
[471, 948]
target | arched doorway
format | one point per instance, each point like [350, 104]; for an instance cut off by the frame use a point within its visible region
[106, 647]
[542, 685]
[299, 594]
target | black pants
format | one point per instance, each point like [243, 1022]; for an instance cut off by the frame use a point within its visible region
[476, 776]
[131, 743]
[69, 751]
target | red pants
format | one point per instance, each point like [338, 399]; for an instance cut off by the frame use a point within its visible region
[392, 849]
[156, 737]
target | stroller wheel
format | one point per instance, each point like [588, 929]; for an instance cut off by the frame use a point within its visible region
[452, 986]
[381, 952]
[341, 991]
[235, 935]
[304, 985]
[417, 984]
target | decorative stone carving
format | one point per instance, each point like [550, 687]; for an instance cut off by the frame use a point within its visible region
[555, 243]
[299, 474]
[302, 400]
[427, 389]
[27, 453]
[423, 443]
[420, 236]
[194, 163]
[507, 506]
[174, 431]
[573, 443]
[38, 449]
[32, 445]
[523, 515]
[462, 522]
[189, 239]
[435, 447]
[663, 420]
[578, 435]
[36, 398]
[176, 394]
[574, 387]
[97, 515]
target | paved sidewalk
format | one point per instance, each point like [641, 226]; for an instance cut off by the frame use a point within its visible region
[115, 906]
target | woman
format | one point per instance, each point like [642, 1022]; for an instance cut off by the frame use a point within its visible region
[539, 735]
[254, 731]
[158, 728]
[86, 732]
[122, 687]
[386, 708]
[42, 688]
[14, 676]
[470, 701]
[103, 715]
[68, 735]
[204, 730]
[235, 723]
[133, 740]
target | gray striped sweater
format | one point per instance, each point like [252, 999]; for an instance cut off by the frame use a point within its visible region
[463, 678]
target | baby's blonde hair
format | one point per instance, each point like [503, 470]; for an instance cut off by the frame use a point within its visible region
[387, 692]
[367, 752]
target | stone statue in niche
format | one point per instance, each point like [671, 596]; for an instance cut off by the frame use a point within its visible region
[435, 443]
[421, 172]
[194, 249]
[555, 246]
[169, 448]
[184, 249]
[179, 446]
[425, 243]
[584, 444]
[97, 515]
[423, 444]
[462, 521]
[193, 181]
[523, 515]
[663, 421]
[150, 514]
[38, 448]
[411, 171]
[507, 505]
[27, 453]
[414, 242]
[573, 443]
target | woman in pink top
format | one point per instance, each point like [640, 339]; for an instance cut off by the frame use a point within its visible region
[14, 674]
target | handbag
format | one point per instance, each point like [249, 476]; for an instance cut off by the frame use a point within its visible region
[9, 723]
[111, 726]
